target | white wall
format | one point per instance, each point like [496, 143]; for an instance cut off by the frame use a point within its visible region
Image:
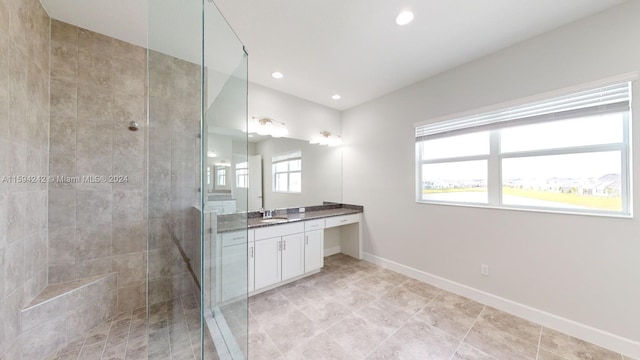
[304, 119]
[583, 268]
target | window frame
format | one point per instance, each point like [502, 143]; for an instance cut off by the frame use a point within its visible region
[221, 176]
[494, 170]
[242, 171]
[288, 159]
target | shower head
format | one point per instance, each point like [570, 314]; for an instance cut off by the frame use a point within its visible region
[133, 126]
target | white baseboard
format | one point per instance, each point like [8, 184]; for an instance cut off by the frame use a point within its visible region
[610, 341]
[332, 251]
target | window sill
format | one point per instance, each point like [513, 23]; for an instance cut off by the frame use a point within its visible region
[535, 210]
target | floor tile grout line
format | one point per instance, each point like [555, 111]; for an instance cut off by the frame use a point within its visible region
[539, 343]
[104, 346]
[126, 346]
[399, 327]
[467, 333]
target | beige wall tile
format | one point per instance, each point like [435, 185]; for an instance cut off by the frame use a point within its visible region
[128, 205]
[3, 221]
[131, 268]
[63, 32]
[129, 52]
[17, 216]
[94, 69]
[93, 242]
[61, 273]
[4, 17]
[128, 77]
[11, 314]
[62, 208]
[132, 297]
[129, 237]
[62, 245]
[43, 340]
[64, 59]
[62, 135]
[93, 207]
[95, 105]
[94, 42]
[50, 310]
[93, 267]
[64, 97]
[35, 254]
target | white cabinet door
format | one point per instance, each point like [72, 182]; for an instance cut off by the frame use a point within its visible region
[313, 250]
[292, 256]
[251, 254]
[234, 267]
[267, 262]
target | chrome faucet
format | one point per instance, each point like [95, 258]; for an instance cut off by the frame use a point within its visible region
[266, 214]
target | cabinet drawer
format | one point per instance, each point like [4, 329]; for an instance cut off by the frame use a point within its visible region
[279, 230]
[234, 238]
[314, 225]
[342, 220]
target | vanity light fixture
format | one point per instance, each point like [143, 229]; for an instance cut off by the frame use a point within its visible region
[404, 18]
[327, 138]
[336, 97]
[277, 75]
[267, 126]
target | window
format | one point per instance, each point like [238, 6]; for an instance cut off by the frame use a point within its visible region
[287, 172]
[567, 154]
[221, 176]
[242, 175]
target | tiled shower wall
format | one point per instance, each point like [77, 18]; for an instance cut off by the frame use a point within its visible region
[174, 161]
[97, 88]
[24, 130]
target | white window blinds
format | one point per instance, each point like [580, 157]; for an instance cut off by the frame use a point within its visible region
[604, 100]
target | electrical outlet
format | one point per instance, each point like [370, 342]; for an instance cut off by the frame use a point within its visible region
[301, 210]
[484, 269]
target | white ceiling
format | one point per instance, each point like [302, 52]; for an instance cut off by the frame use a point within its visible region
[349, 47]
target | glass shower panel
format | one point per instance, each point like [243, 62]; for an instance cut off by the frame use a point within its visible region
[174, 95]
[225, 185]
[197, 143]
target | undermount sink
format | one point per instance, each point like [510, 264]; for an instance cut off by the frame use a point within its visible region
[274, 220]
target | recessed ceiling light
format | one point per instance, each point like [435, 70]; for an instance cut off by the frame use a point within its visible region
[404, 18]
[336, 97]
[277, 75]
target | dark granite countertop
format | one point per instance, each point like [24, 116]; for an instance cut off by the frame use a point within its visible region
[234, 222]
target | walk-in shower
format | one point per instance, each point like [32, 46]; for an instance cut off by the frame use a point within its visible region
[108, 243]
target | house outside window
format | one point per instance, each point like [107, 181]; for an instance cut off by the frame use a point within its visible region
[564, 154]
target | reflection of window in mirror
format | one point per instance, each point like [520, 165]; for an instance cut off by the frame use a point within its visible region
[221, 174]
[287, 172]
[242, 175]
[209, 176]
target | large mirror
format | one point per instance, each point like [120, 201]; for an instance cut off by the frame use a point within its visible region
[279, 173]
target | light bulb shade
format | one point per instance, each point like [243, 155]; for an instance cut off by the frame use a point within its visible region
[326, 138]
[266, 126]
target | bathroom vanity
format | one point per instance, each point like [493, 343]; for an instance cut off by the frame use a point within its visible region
[282, 248]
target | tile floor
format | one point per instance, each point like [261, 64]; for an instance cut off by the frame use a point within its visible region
[173, 333]
[356, 310]
[351, 310]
